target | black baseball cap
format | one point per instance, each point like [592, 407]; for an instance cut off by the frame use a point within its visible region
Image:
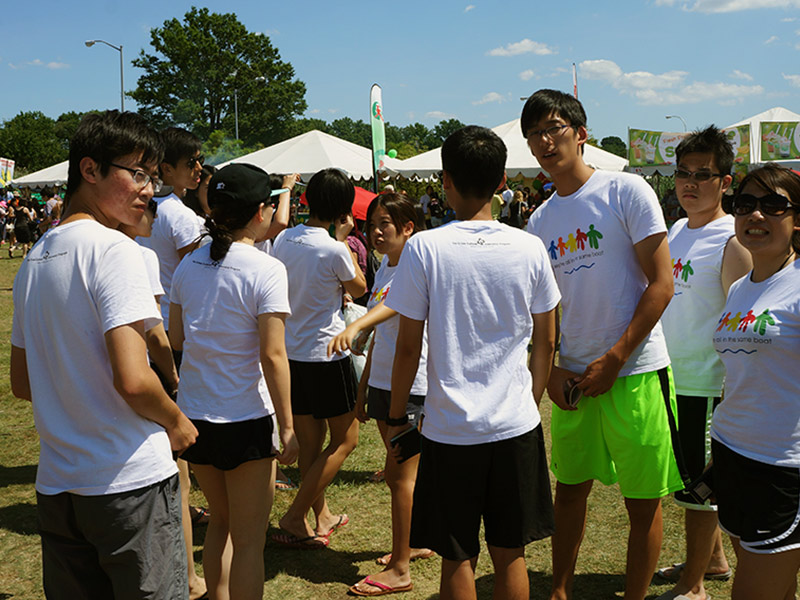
[240, 183]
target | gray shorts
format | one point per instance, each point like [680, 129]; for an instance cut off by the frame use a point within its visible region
[126, 546]
[378, 402]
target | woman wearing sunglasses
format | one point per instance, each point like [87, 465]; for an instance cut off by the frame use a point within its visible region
[756, 429]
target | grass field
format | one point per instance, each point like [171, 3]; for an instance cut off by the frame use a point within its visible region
[326, 574]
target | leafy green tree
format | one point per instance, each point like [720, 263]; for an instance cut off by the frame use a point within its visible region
[300, 126]
[357, 132]
[443, 130]
[66, 125]
[202, 64]
[30, 140]
[614, 145]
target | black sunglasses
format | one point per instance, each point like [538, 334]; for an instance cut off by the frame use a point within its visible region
[772, 204]
[194, 160]
[698, 176]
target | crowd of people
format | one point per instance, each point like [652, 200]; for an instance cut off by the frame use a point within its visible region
[217, 344]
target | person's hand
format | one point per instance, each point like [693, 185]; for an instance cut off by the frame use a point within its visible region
[358, 345]
[182, 433]
[600, 375]
[361, 406]
[290, 180]
[290, 447]
[344, 341]
[555, 387]
[344, 225]
[392, 432]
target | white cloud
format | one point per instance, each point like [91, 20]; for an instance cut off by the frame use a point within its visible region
[36, 62]
[490, 97]
[525, 46]
[665, 88]
[794, 80]
[437, 114]
[57, 65]
[771, 40]
[737, 74]
[526, 75]
[314, 111]
[788, 19]
[725, 6]
[333, 111]
[469, 7]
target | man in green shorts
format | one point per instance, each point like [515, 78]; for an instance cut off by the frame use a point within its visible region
[607, 243]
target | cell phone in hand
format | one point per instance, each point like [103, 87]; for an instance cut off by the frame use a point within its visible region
[409, 443]
[572, 393]
[701, 489]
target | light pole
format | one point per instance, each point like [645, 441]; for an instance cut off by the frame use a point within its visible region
[677, 117]
[89, 44]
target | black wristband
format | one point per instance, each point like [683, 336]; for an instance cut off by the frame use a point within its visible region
[397, 422]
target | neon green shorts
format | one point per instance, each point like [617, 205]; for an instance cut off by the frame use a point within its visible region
[622, 435]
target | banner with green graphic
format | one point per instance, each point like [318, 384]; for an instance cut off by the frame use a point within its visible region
[780, 140]
[657, 148]
[378, 132]
[6, 171]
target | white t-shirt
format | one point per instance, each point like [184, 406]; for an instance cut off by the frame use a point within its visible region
[154, 277]
[691, 317]
[380, 373]
[589, 236]
[316, 264]
[176, 226]
[477, 284]
[221, 376]
[78, 282]
[425, 200]
[758, 340]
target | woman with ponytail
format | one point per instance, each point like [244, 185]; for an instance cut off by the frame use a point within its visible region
[229, 303]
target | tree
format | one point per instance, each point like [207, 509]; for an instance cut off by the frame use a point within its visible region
[357, 132]
[30, 140]
[443, 130]
[66, 125]
[614, 145]
[203, 64]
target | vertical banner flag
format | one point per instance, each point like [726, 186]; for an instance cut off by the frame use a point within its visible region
[657, 148]
[378, 132]
[574, 81]
[6, 171]
[780, 140]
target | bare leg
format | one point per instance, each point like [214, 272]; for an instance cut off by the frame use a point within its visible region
[766, 576]
[458, 579]
[215, 568]
[197, 586]
[510, 574]
[344, 438]
[644, 545]
[570, 519]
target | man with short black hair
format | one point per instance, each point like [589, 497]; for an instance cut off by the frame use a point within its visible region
[107, 486]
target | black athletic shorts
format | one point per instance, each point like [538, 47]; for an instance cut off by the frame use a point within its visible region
[378, 402]
[323, 389]
[506, 483]
[759, 503]
[694, 421]
[228, 445]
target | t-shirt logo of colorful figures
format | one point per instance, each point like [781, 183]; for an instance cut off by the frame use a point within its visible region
[759, 323]
[682, 270]
[575, 242]
[379, 295]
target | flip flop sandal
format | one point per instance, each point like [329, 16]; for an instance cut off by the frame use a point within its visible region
[312, 542]
[343, 520]
[382, 590]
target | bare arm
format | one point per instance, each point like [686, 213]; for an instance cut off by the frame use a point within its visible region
[275, 363]
[161, 355]
[736, 263]
[542, 351]
[280, 220]
[361, 396]
[139, 386]
[377, 315]
[20, 383]
[404, 369]
[654, 259]
[176, 326]
[357, 286]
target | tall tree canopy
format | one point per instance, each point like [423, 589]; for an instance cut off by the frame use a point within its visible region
[30, 139]
[614, 145]
[201, 63]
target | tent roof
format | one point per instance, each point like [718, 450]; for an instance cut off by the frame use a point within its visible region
[520, 160]
[313, 151]
[53, 175]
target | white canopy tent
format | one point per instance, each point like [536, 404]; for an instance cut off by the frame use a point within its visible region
[54, 175]
[313, 151]
[773, 114]
[520, 160]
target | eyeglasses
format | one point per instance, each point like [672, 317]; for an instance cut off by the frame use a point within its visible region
[550, 132]
[195, 160]
[772, 204]
[152, 206]
[141, 178]
[698, 176]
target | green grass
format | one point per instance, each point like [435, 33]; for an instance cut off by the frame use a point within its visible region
[294, 574]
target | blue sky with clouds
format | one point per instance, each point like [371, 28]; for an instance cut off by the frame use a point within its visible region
[709, 61]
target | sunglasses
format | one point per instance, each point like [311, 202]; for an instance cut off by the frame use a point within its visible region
[195, 160]
[698, 176]
[772, 204]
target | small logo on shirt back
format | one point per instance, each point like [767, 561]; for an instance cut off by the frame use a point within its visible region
[46, 256]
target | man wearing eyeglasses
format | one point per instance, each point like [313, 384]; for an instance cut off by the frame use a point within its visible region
[608, 249]
[106, 485]
[707, 259]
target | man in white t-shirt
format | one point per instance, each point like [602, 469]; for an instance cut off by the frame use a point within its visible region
[107, 486]
[607, 242]
[425, 201]
[482, 450]
[706, 260]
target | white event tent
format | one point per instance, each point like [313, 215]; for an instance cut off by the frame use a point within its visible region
[773, 114]
[520, 161]
[51, 176]
[313, 151]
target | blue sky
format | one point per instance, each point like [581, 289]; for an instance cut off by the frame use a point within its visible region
[709, 61]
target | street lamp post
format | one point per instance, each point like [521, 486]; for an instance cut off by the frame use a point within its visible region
[89, 44]
[677, 117]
